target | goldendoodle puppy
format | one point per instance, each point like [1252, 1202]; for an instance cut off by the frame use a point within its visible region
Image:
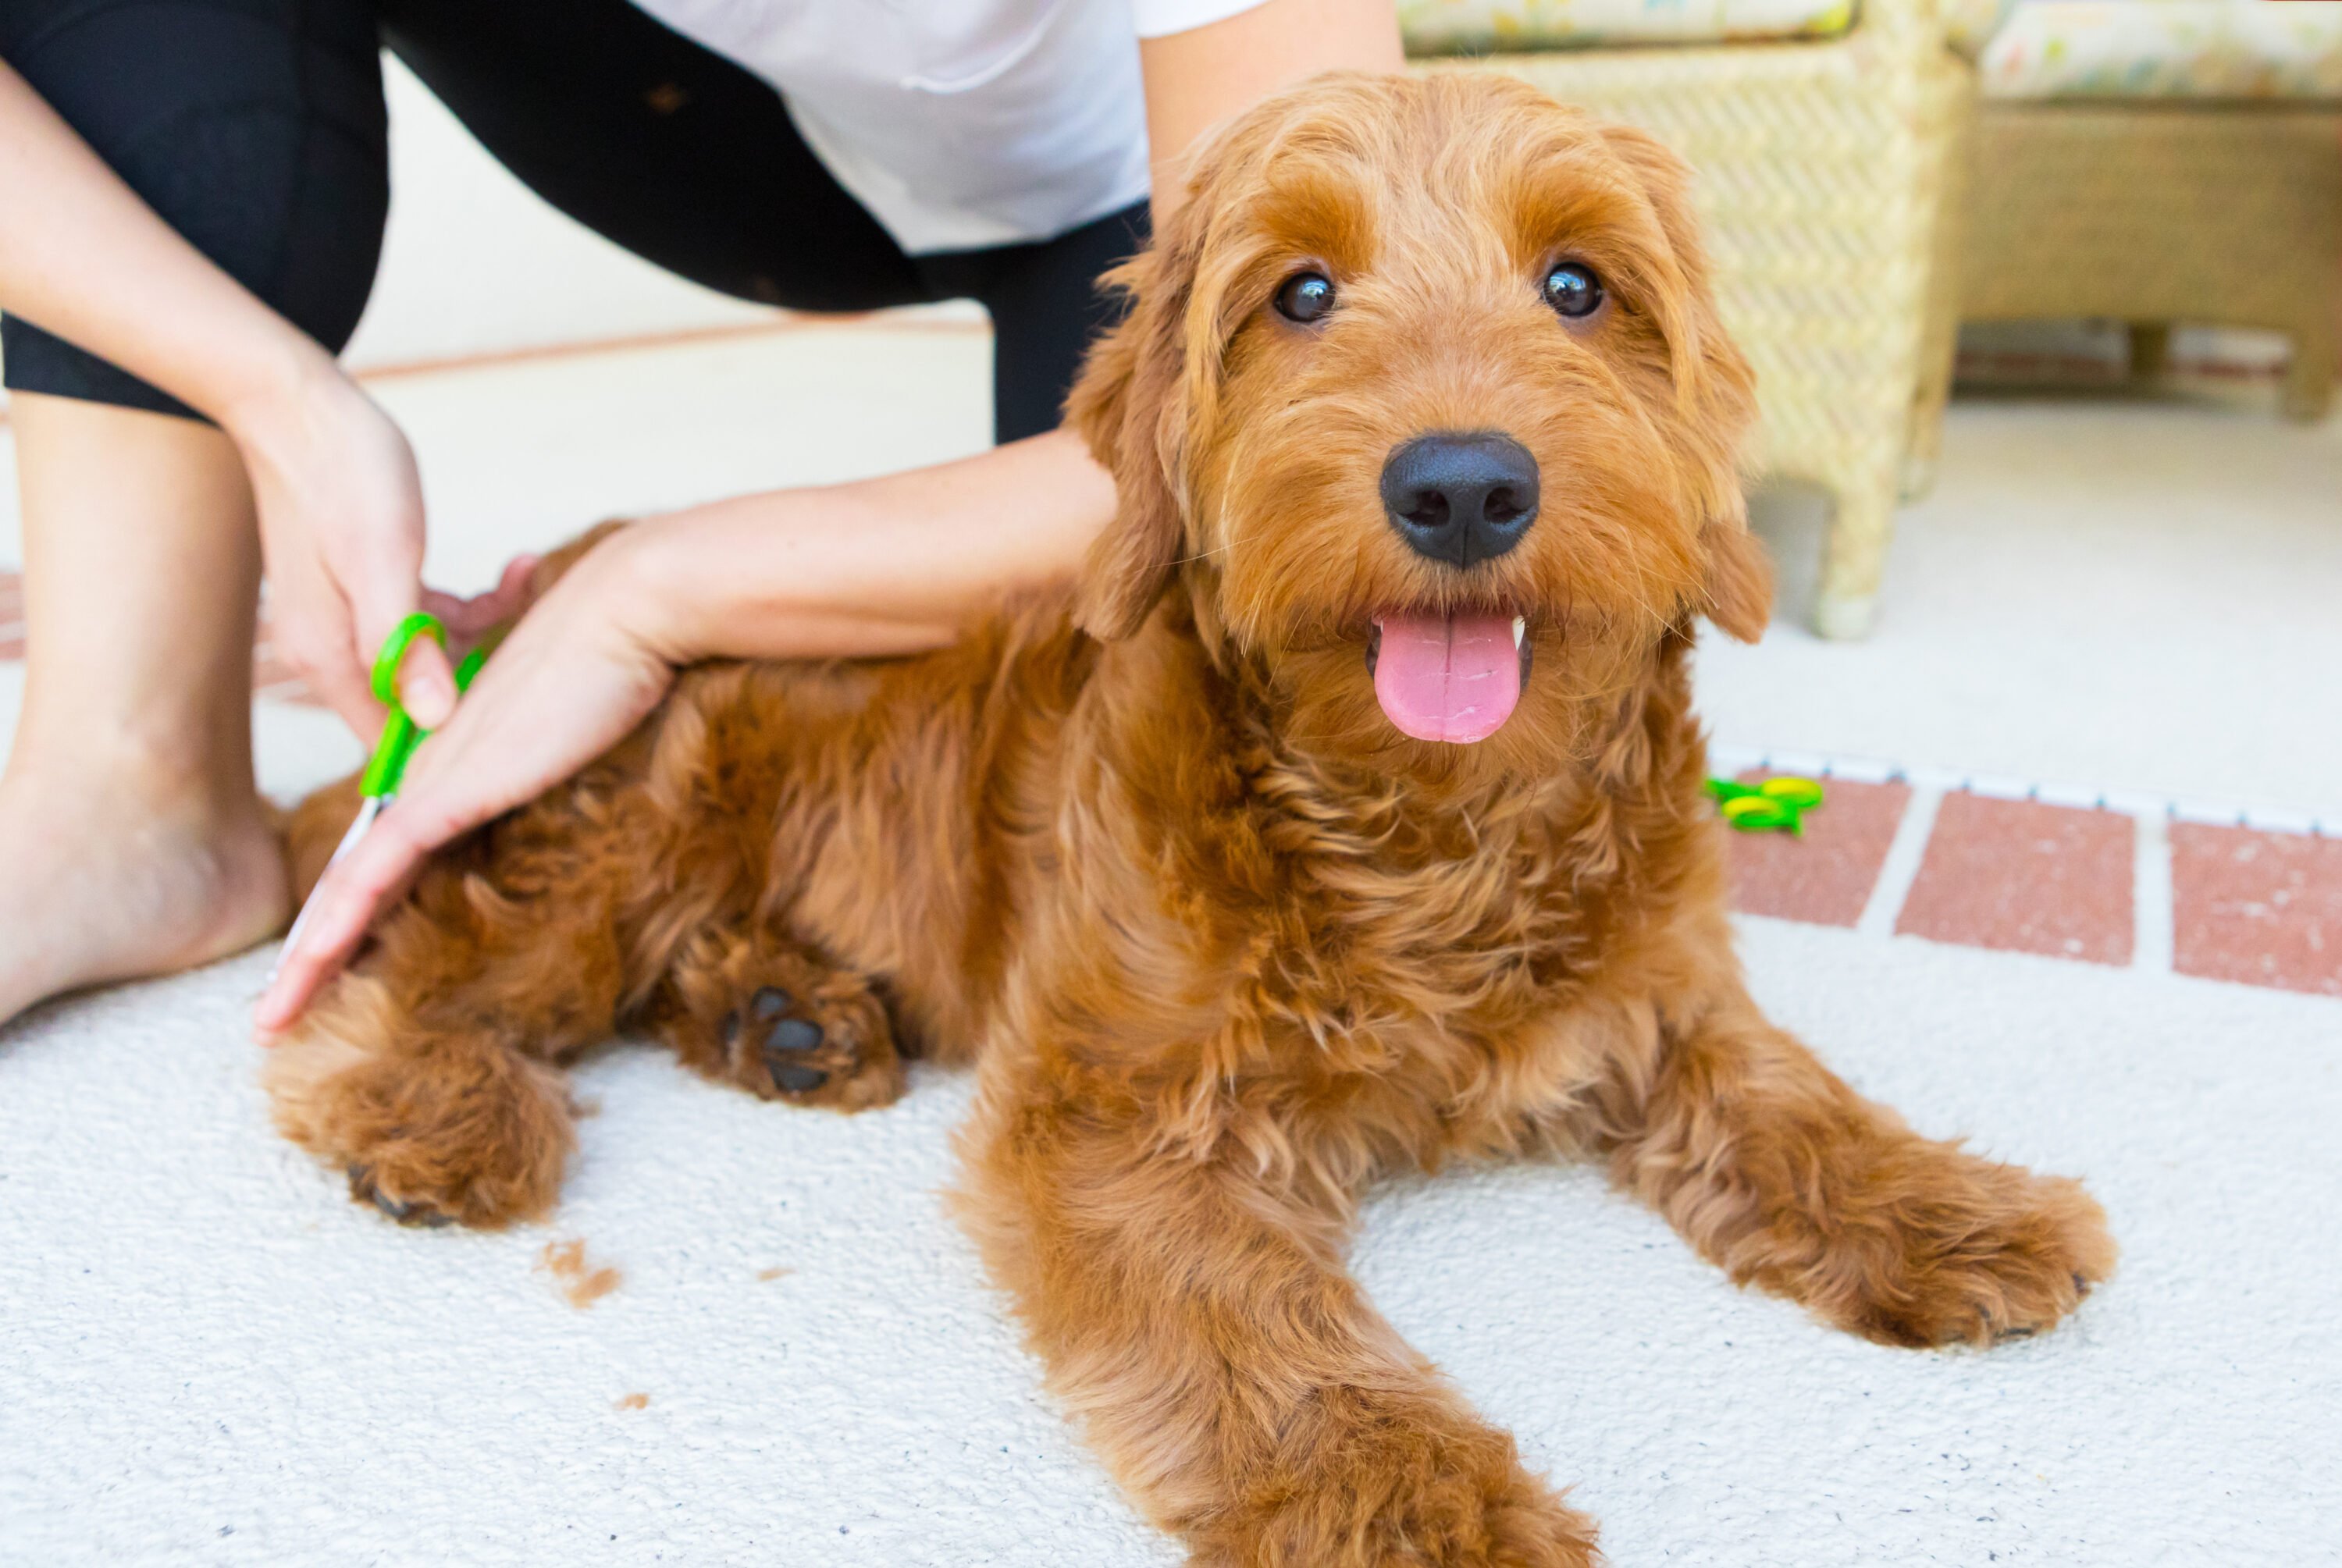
[1345, 819]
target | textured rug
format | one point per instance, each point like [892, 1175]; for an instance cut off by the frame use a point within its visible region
[752, 1334]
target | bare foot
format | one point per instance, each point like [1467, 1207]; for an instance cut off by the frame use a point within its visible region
[109, 879]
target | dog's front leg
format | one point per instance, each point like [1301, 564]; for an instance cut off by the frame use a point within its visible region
[1194, 1315]
[429, 1070]
[1776, 1171]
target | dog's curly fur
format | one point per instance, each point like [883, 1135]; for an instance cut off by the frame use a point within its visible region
[1225, 944]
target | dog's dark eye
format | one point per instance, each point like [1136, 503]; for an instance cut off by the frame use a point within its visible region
[1573, 290]
[1305, 297]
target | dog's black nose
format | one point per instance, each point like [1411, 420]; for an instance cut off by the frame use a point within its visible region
[1461, 498]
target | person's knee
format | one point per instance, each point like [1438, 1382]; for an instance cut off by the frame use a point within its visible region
[257, 132]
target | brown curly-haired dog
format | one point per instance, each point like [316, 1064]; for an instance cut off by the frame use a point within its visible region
[1425, 433]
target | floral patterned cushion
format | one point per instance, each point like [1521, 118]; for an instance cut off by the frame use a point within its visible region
[2166, 49]
[1471, 26]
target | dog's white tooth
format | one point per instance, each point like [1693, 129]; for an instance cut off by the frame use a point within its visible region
[1520, 629]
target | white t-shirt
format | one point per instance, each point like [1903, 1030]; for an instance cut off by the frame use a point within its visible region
[959, 124]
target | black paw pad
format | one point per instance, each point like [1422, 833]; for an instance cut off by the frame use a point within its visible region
[770, 1002]
[792, 1038]
[793, 1035]
[796, 1080]
[362, 1185]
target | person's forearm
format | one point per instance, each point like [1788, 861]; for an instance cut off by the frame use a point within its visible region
[1199, 78]
[880, 566]
[82, 256]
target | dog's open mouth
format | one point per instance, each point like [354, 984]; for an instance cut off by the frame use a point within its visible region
[1453, 676]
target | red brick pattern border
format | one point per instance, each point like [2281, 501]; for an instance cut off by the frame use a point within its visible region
[2256, 905]
[2265, 908]
[2259, 907]
[2024, 876]
[1824, 874]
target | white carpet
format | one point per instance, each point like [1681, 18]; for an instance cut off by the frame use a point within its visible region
[208, 1355]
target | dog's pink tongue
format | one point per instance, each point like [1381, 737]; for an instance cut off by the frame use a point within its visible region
[1448, 677]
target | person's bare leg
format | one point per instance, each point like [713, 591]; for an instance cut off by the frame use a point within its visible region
[132, 838]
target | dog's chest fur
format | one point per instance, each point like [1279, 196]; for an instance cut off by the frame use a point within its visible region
[1237, 903]
[1026, 835]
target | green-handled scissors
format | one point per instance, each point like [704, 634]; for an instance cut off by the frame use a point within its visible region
[378, 785]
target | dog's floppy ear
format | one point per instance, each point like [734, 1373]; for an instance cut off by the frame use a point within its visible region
[1714, 399]
[1131, 406]
[1125, 407]
[1739, 592]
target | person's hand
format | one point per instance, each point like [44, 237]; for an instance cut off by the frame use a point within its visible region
[582, 668]
[876, 568]
[341, 528]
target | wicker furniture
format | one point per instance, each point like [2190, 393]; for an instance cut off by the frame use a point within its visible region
[1825, 173]
[2168, 163]
[2153, 215]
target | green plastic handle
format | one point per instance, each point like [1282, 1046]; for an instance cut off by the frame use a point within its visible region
[400, 735]
[391, 750]
[394, 652]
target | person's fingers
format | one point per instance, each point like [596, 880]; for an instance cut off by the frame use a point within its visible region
[321, 658]
[469, 618]
[514, 589]
[432, 807]
[309, 628]
[426, 678]
[462, 616]
[566, 687]
[372, 874]
[427, 684]
[430, 811]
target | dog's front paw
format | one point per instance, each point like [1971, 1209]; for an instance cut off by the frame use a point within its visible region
[1378, 1486]
[783, 1025]
[1949, 1249]
[462, 1132]
[813, 1050]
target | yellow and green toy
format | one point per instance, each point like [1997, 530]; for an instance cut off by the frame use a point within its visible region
[1777, 805]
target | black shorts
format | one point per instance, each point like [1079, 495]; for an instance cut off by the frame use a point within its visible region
[256, 129]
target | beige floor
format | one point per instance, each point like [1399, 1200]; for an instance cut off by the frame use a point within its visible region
[2120, 595]
[2140, 597]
